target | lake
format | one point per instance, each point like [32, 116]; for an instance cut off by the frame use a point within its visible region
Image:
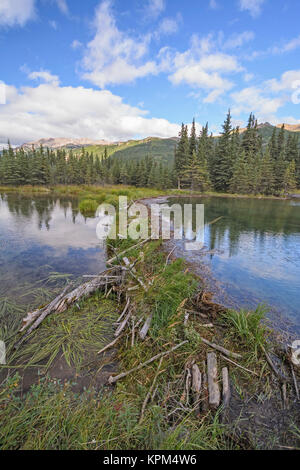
[255, 259]
[256, 254]
[43, 241]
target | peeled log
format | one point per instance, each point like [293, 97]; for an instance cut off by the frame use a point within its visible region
[226, 387]
[196, 382]
[212, 377]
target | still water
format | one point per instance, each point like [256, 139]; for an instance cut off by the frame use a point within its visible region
[42, 238]
[256, 254]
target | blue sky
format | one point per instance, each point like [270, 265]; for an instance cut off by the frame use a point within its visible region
[120, 69]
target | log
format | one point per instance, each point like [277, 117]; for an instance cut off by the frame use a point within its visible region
[112, 379]
[226, 388]
[212, 378]
[221, 349]
[146, 327]
[204, 393]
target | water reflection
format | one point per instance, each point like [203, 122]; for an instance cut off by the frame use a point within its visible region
[42, 235]
[254, 252]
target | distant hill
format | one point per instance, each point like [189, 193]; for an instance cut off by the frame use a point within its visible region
[156, 148]
[61, 142]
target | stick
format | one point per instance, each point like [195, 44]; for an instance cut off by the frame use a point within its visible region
[212, 378]
[115, 258]
[112, 380]
[280, 376]
[110, 345]
[145, 329]
[123, 324]
[168, 257]
[238, 365]
[295, 382]
[124, 311]
[221, 349]
[148, 396]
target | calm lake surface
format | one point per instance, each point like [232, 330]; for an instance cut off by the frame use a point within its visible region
[42, 238]
[256, 255]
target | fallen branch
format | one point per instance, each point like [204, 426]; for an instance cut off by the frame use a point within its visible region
[226, 387]
[278, 373]
[212, 378]
[122, 325]
[112, 379]
[221, 349]
[124, 311]
[110, 345]
[148, 396]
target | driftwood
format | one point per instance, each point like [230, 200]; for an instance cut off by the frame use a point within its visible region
[145, 328]
[149, 394]
[221, 349]
[238, 365]
[212, 378]
[62, 302]
[112, 379]
[226, 387]
[277, 372]
[115, 258]
[204, 393]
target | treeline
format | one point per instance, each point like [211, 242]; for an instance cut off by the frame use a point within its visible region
[238, 162]
[48, 167]
[234, 162]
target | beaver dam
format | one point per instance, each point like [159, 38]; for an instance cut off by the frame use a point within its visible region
[141, 356]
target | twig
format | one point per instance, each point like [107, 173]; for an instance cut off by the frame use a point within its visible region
[238, 365]
[145, 329]
[110, 345]
[124, 311]
[112, 379]
[122, 325]
[278, 373]
[148, 396]
[169, 256]
[221, 349]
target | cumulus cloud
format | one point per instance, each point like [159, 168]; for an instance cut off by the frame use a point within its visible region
[238, 40]
[16, 12]
[254, 7]
[113, 57]
[168, 26]
[49, 110]
[255, 99]
[203, 68]
[288, 81]
[44, 76]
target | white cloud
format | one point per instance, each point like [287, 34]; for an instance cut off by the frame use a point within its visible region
[203, 68]
[53, 24]
[254, 99]
[288, 81]
[49, 110]
[254, 7]
[155, 7]
[44, 76]
[16, 12]
[113, 57]
[168, 26]
[238, 40]
[76, 44]
[63, 6]
[287, 47]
